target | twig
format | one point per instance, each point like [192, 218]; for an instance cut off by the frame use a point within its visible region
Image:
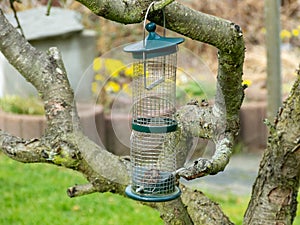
[49, 4]
[16, 16]
[79, 190]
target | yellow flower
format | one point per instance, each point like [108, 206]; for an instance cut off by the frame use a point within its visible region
[126, 89]
[285, 34]
[114, 66]
[263, 30]
[136, 70]
[94, 87]
[129, 71]
[99, 77]
[76, 208]
[97, 64]
[112, 86]
[247, 82]
[295, 32]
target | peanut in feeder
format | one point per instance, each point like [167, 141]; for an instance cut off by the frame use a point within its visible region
[154, 91]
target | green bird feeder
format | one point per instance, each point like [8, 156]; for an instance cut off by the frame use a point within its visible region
[153, 159]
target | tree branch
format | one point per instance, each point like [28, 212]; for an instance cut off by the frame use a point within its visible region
[202, 210]
[28, 151]
[63, 143]
[161, 4]
[123, 11]
[79, 190]
[228, 38]
[104, 171]
[16, 16]
[195, 120]
[173, 212]
[224, 35]
[275, 191]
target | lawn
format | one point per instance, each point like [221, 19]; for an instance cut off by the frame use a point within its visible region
[35, 194]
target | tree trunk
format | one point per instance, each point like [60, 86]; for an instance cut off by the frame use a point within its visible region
[65, 145]
[274, 196]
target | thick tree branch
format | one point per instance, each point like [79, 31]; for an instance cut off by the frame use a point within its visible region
[274, 194]
[63, 143]
[202, 210]
[104, 171]
[28, 151]
[224, 35]
[123, 11]
[161, 4]
[195, 120]
[174, 212]
[36, 66]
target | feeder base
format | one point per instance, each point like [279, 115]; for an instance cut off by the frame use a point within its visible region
[151, 198]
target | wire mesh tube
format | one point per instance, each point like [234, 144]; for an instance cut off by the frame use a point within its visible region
[154, 89]
[153, 156]
[151, 166]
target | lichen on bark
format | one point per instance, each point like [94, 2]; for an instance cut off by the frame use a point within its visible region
[103, 170]
[275, 191]
[65, 145]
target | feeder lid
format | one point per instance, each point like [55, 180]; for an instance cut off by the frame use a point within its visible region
[154, 45]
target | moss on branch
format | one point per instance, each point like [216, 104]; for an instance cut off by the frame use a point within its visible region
[104, 171]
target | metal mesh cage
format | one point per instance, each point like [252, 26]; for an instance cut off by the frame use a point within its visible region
[154, 86]
[153, 162]
[153, 156]
[152, 167]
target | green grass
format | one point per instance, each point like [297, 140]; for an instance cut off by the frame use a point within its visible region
[35, 194]
[22, 105]
[233, 206]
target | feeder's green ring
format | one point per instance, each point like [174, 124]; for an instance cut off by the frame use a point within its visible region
[152, 198]
[144, 125]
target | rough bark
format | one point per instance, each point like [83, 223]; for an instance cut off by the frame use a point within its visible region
[65, 145]
[220, 33]
[275, 191]
[274, 195]
[202, 210]
[224, 35]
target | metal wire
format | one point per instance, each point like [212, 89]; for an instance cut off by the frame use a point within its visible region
[158, 101]
[153, 158]
[152, 165]
[145, 20]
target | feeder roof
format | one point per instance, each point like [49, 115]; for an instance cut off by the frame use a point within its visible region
[154, 45]
[36, 25]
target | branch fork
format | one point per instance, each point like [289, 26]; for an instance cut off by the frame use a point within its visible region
[103, 170]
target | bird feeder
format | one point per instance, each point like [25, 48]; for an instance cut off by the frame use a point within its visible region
[153, 157]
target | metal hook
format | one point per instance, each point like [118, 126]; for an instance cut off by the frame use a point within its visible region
[157, 82]
[145, 20]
